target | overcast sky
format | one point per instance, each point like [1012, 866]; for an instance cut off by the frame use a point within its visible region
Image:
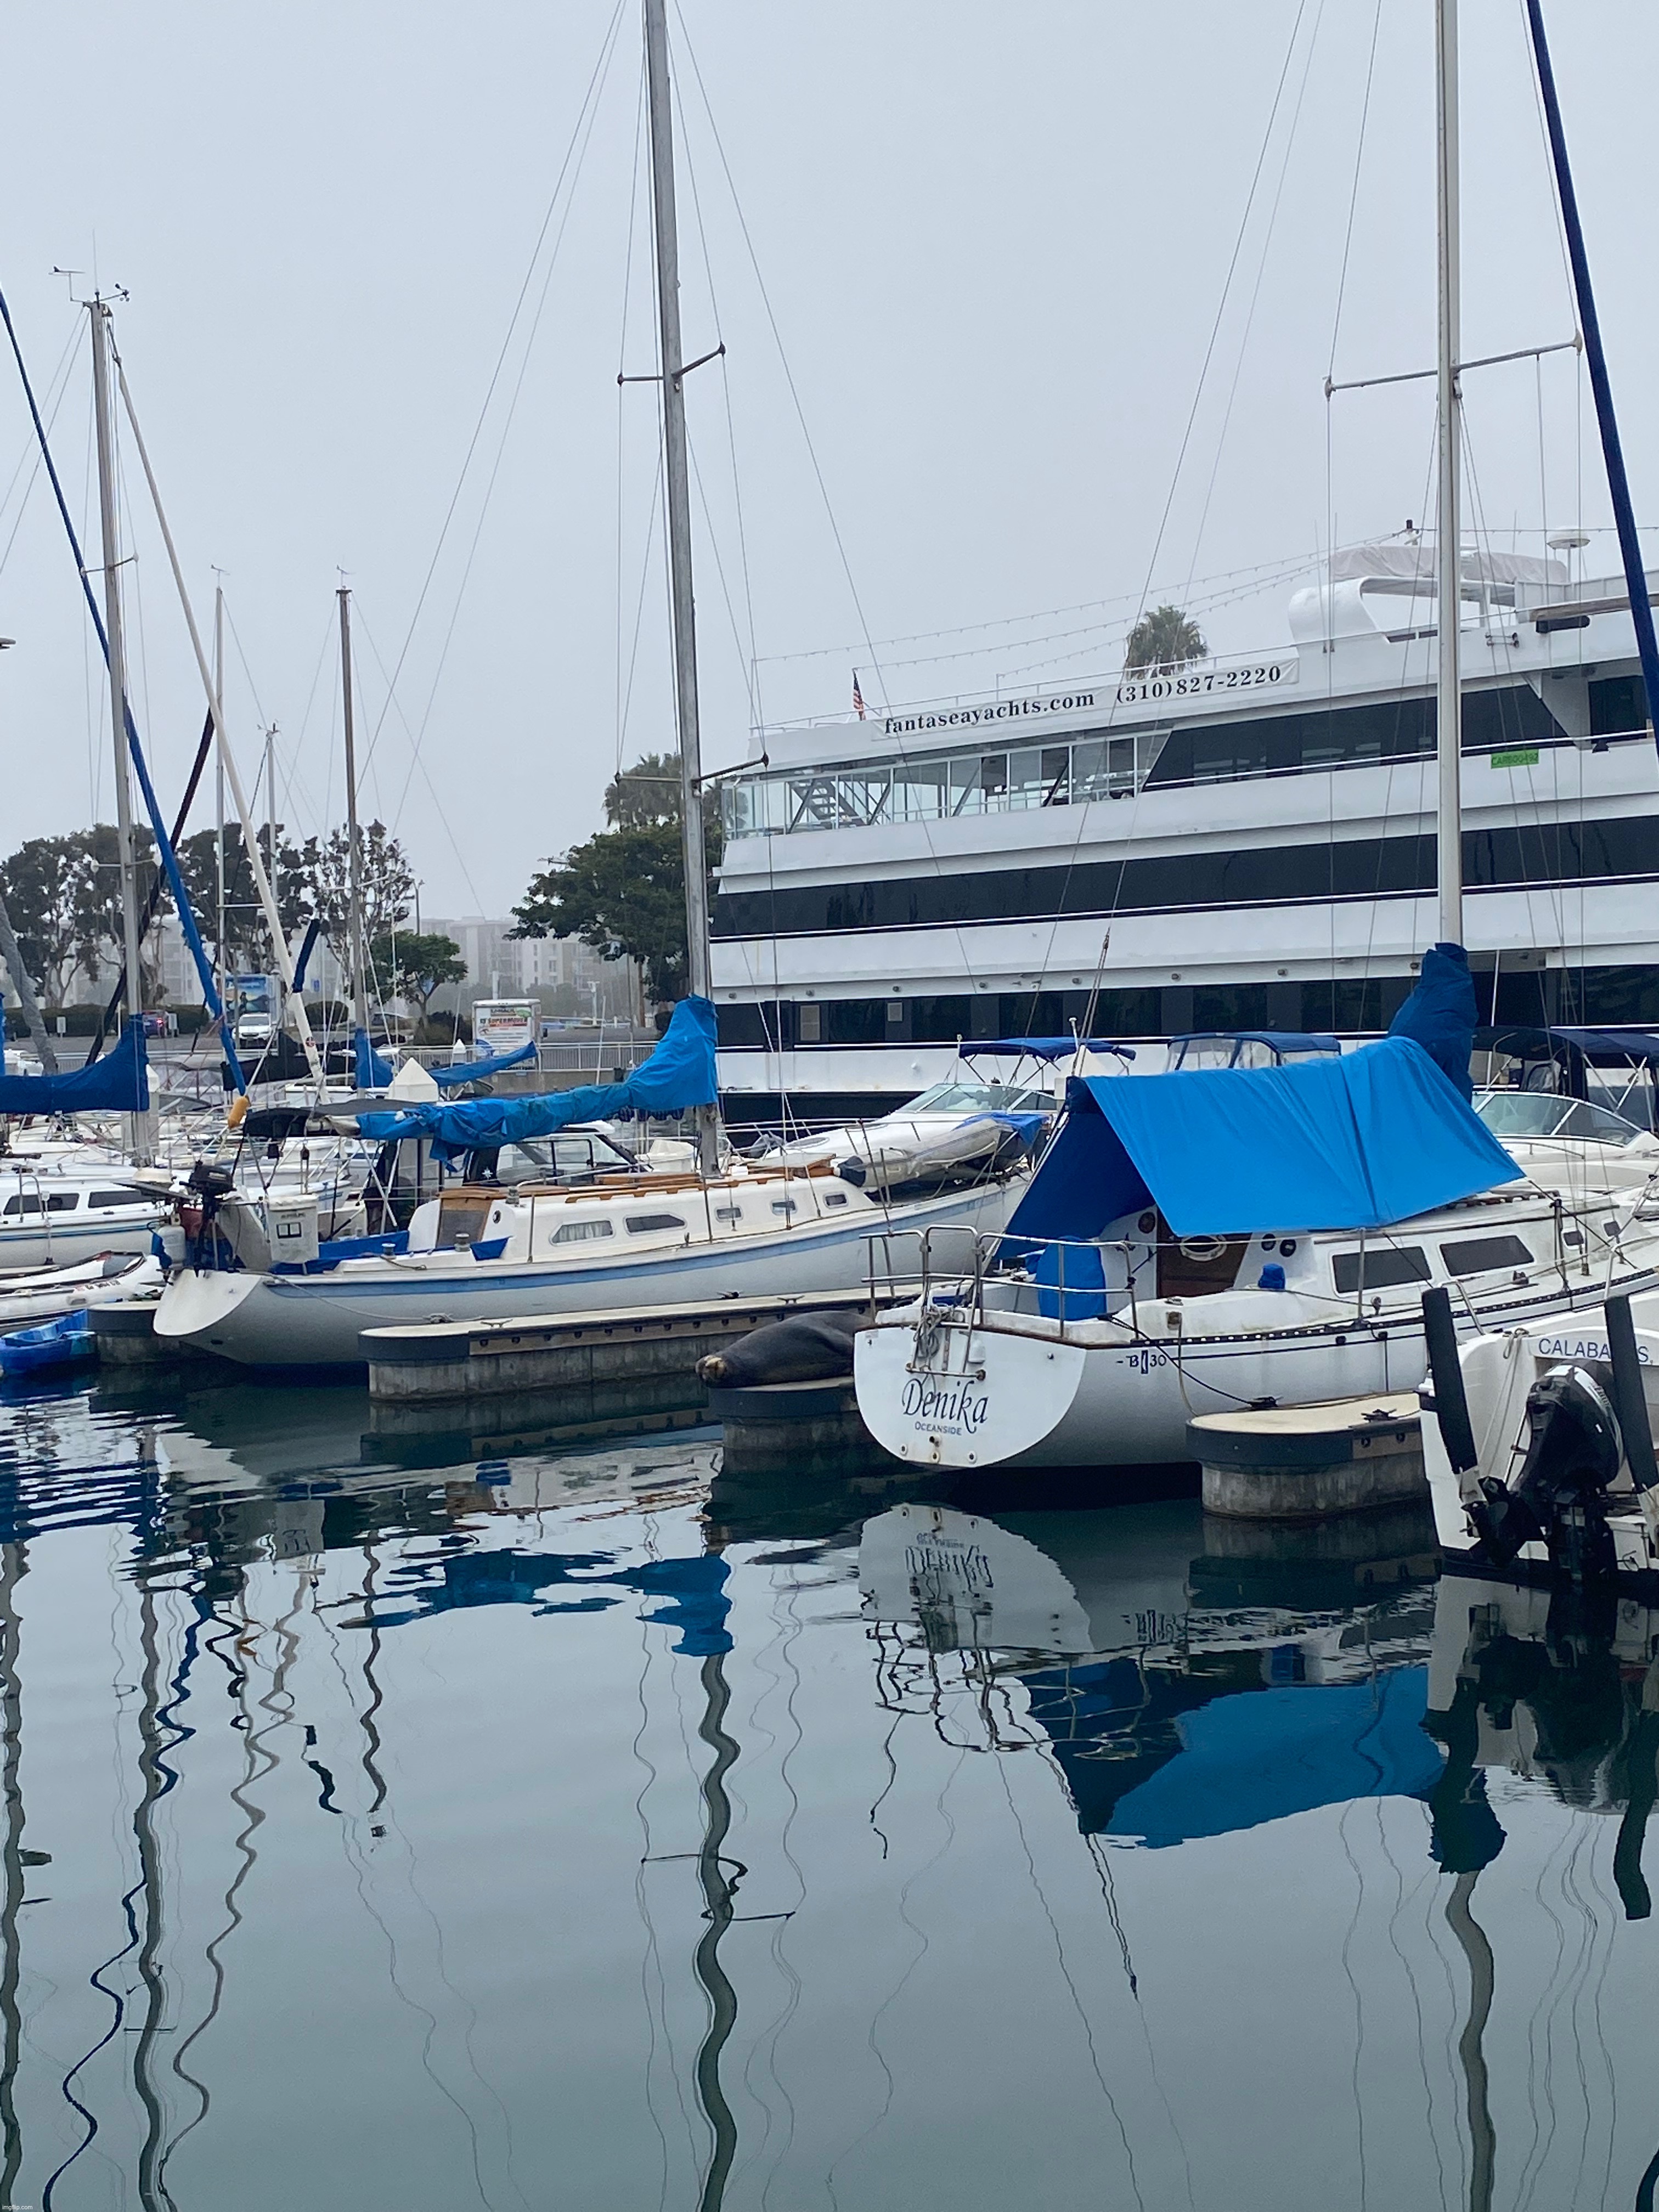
[993, 240]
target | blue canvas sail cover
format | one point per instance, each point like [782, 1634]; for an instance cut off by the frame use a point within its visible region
[117, 1083]
[679, 1073]
[1351, 1141]
[370, 1071]
[1440, 1013]
[474, 1071]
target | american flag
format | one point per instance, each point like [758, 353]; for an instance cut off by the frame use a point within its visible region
[857, 696]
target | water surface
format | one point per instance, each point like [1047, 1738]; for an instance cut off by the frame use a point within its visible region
[390, 1825]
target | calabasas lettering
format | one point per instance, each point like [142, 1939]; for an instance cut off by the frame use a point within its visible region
[1582, 1348]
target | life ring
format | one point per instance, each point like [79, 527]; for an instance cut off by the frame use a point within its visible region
[1202, 1251]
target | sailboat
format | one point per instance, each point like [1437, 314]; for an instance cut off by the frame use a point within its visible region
[483, 1252]
[1198, 1244]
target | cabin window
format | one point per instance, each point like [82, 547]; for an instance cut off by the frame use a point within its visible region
[640, 1225]
[1384, 1266]
[809, 1022]
[115, 1198]
[57, 1201]
[835, 1197]
[783, 1206]
[728, 1213]
[579, 1232]
[25, 1204]
[1478, 1254]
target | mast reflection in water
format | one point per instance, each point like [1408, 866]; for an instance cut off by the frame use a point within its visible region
[579, 1826]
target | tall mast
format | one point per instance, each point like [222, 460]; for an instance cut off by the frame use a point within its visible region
[270, 805]
[1449, 715]
[219, 772]
[100, 317]
[671, 364]
[354, 877]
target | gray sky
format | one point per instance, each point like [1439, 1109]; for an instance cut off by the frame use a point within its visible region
[993, 240]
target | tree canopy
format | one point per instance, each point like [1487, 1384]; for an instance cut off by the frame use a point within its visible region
[622, 891]
[408, 966]
[1164, 639]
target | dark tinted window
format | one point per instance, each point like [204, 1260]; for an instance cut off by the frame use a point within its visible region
[1476, 1254]
[1158, 883]
[25, 1204]
[638, 1224]
[1616, 705]
[115, 1198]
[1385, 1266]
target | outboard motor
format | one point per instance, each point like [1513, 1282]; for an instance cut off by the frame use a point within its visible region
[1574, 1451]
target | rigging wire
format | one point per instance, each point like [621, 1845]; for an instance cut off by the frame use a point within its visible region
[783, 358]
[582, 131]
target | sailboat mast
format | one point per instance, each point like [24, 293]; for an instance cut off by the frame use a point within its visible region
[1448, 717]
[118, 657]
[219, 774]
[671, 364]
[354, 858]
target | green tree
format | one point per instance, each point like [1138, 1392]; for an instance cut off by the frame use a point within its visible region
[406, 966]
[624, 890]
[248, 941]
[315, 882]
[48, 882]
[100, 934]
[646, 793]
[1164, 640]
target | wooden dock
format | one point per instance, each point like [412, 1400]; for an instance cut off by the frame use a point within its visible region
[431, 1362]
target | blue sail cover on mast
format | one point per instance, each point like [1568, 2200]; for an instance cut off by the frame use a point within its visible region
[117, 1083]
[1351, 1141]
[681, 1072]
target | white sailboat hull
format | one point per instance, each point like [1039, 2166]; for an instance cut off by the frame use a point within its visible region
[315, 1321]
[1025, 1395]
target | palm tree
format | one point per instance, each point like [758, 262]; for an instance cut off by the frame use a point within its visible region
[1165, 639]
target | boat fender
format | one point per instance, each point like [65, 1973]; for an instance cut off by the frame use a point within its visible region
[806, 1348]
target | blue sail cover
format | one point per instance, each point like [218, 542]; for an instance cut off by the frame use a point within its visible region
[1352, 1141]
[369, 1072]
[119, 1083]
[474, 1071]
[680, 1073]
[1440, 1013]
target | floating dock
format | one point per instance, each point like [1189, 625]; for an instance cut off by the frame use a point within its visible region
[1308, 1462]
[432, 1362]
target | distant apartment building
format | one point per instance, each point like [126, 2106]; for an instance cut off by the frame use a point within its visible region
[566, 974]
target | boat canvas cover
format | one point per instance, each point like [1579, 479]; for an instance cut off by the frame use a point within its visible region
[1355, 1142]
[679, 1073]
[117, 1083]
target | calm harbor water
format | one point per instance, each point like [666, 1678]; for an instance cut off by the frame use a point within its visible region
[388, 1827]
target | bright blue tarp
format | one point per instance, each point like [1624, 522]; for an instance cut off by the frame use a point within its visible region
[1440, 1013]
[680, 1073]
[474, 1071]
[1351, 1141]
[119, 1083]
[369, 1072]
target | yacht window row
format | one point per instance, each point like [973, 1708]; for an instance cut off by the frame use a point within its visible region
[1113, 765]
[1166, 883]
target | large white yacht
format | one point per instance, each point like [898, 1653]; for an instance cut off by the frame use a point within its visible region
[1255, 833]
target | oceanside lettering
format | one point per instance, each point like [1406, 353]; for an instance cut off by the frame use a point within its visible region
[956, 1411]
[1003, 710]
